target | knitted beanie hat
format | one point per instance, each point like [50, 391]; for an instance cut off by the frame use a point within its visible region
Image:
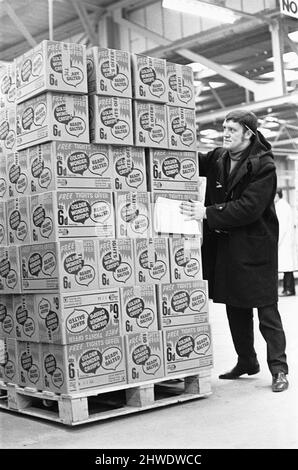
[246, 118]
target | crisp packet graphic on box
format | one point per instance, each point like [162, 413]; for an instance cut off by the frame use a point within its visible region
[129, 168]
[7, 323]
[116, 263]
[173, 171]
[9, 367]
[17, 173]
[144, 356]
[150, 124]
[83, 366]
[53, 66]
[181, 91]
[182, 303]
[109, 72]
[8, 127]
[10, 282]
[152, 264]
[181, 128]
[138, 308]
[111, 120]
[187, 349]
[133, 214]
[52, 116]
[149, 78]
[26, 324]
[29, 364]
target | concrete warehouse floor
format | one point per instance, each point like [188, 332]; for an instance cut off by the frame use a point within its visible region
[241, 414]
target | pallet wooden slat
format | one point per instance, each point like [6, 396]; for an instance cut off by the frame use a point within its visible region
[77, 409]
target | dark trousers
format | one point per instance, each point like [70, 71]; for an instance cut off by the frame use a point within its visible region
[289, 282]
[270, 325]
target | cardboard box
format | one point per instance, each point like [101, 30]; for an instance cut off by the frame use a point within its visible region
[109, 72]
[25, 318]
[3, 176]
[144, 356]
[7, 84]
[150, 124]
[133, 214]
[185, 259]
[152, 263]
[182, 304]
[52, 66]
[129, 168]
[9, 369]
[138, 309]
[173, 170]
[17, 173]
[187, 349]
[69, 165]
[149, 78]
[52, 116]
[180, 82]
[83, 166]
[116, 263]
[66, 214]
[8, 127]
[111, 120]
[10, 282]
[3, 224]
[62, 266]
[41, 167]
[181, 128]
[78, 317]
[7, 324]
[18, 220]
[84, 366]
[29, 364]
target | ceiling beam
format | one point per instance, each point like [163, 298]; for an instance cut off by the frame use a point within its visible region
[190, 55]
[211, 116]
[19, 24]
[85, 20]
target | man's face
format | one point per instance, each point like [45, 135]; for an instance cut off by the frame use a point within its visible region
[235, 137]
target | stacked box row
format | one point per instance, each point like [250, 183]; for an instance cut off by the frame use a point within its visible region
[59, 215]
[74, 318]
[43, 97]
[84, 264]
[113, 361]
[66, 165]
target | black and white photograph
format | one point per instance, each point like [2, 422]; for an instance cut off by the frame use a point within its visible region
[148, 232]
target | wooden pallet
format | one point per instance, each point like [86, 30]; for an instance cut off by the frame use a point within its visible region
[96, 404]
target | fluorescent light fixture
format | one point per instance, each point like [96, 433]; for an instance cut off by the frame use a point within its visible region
[216, 84]
[211, 133]
[268, 133]
[271, 125]
[202, 9]
[293, 36]
[290, 75]
[292, 157]
[290, 60]
[206, 141]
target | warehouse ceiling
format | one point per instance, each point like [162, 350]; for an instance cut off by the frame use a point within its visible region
[246, 48]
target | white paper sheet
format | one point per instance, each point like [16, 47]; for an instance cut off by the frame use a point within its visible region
[168, 219]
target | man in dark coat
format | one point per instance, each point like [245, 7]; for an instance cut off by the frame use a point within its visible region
[240, 242]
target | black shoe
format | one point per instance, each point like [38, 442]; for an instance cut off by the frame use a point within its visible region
[239, 370]
[279, 382]
[286, 293]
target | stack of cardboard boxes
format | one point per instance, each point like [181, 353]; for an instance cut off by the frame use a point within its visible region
[90, 295]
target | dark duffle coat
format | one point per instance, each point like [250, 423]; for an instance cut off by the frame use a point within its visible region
[240, 235]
